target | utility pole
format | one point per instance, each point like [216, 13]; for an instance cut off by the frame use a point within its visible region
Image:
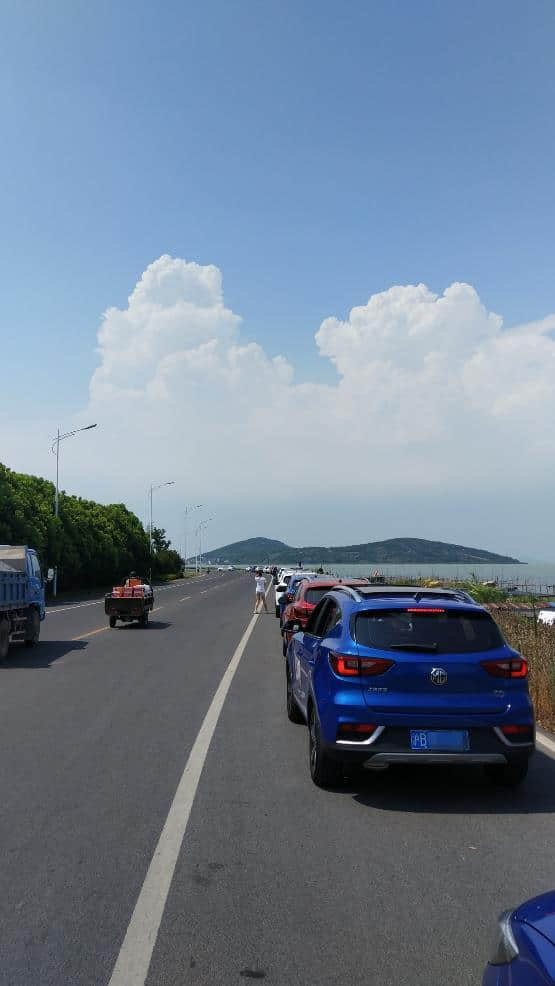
[55, 449]
[199, 530]
[197, 546]
[188, 510]
[152, 488]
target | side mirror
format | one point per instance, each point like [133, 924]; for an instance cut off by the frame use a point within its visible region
[50, 575]
[296, 627]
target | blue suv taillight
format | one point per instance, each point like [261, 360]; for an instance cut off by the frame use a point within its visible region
[347, 666]
[514, 667]
[519, 733]
[355, 731]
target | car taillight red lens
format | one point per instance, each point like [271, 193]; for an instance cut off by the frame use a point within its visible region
[300, 610]
[355, 730]
[345, 666]
[374, 665]
[350, 667]
[514, 667]
[516, 732]
[365, 728]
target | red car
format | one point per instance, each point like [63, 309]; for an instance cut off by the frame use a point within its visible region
[308, 594]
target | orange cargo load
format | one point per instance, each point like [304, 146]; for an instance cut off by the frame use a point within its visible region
[117, 590]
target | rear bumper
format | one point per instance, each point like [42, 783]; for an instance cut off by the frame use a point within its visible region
[412, 756]
[391, 745]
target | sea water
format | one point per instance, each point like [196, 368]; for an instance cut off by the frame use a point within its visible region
[534, 573]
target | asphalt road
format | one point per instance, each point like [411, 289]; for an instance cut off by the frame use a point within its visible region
[397, 879]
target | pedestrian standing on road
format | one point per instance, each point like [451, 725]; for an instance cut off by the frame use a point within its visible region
[260, 584]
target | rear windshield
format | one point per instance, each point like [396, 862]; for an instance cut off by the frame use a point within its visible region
[448, 632]
[315, 595]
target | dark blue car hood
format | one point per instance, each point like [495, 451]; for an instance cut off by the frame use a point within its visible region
[540, 914]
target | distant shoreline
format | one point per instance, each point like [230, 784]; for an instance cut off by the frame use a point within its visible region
[393, 551]
[362, 561]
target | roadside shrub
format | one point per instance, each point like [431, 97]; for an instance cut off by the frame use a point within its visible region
[536, 642]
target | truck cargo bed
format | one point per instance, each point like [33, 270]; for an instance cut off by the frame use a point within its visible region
[129, 604]
[13, 587]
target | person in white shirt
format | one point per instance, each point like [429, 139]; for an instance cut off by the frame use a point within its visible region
[260, 583]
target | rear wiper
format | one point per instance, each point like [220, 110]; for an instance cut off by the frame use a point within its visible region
[429, 647]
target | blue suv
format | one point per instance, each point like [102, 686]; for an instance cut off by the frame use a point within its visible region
[524, 953]
[386, 675]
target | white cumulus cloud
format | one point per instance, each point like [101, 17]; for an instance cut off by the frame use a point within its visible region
[433, 394]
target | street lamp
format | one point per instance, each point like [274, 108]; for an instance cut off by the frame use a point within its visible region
[188, 510]
[200, 527]
[55, 449]
[152, 488]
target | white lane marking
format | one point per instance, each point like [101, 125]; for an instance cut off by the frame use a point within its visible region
[201, 593]
[131, 968]
[64, 609]
[176, 584]
[546, 744]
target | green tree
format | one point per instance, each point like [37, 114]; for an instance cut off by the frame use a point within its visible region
[159, 540]
[90, 543]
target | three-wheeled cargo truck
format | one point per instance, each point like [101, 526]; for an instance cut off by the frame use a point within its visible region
[21, 596]
[132, 601]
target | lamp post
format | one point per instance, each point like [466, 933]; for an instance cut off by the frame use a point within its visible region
[152, 488]
[200, 527]
[188, 510]
[55, 449]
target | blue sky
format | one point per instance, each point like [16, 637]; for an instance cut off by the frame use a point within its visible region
[317, 153]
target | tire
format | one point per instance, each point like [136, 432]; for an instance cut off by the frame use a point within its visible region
[113, 621]
[143, 618]
[284, 645]
[324, 771]
[4, 639]
[32, 632]
[277, 612]
[294, 714]
[507, 775]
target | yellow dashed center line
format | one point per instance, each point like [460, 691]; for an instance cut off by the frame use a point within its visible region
[90, 633]
[102, 629]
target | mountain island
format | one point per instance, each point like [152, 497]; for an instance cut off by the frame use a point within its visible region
[394, 551]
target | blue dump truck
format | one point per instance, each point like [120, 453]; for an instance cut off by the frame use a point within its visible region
[21, 596]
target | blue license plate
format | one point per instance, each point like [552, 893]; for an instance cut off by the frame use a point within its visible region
[440, 740]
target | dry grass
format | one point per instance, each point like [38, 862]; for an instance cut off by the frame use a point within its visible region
[536, 643]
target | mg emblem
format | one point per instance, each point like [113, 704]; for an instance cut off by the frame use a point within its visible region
[438, 676]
